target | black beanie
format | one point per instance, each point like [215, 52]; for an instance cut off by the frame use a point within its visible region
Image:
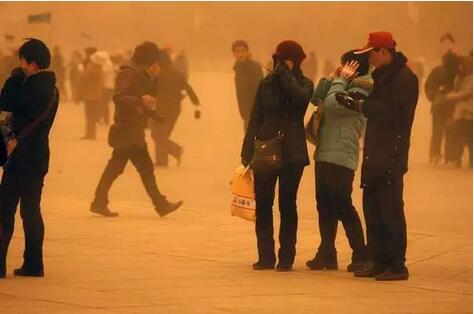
[146, 54]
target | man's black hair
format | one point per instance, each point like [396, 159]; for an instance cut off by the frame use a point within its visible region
[240, 43]
[362, 59]
[35, 50]
[146, 54]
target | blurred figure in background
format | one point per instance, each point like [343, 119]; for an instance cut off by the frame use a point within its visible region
[134, 104]
[58, 66]
[248, 75]
[171, 85]
[439, 83]
[75, 69]
[328, 68]
[310, 66]
[181, 64]
[91, 87]
[109, 72]
[461, 96]
[8, 62]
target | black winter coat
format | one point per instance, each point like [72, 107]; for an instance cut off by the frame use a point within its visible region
[26, 99]
[248, 75]
[130, 117]
[390, 110]
[282, 96]
[439, 83]
[170, 85]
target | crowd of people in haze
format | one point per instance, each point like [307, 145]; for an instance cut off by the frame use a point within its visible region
[372, 93]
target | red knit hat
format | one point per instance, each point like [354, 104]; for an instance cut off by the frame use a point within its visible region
[290, 50]
[378, 40]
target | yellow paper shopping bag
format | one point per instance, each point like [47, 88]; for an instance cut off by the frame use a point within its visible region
[243, 194]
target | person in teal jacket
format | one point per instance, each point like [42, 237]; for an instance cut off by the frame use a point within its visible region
[336, 156]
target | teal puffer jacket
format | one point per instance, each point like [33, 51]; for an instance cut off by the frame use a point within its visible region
[341, 128]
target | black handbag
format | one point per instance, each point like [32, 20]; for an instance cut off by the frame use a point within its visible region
[268, 154]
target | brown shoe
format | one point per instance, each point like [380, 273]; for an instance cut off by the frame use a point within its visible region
[103, 211]
[368, 273]
[391, 275]
[167, 208]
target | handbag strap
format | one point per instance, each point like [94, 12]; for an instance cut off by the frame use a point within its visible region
[30, 127]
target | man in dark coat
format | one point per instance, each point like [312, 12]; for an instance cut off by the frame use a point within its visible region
[439, 83]
[133, 105]
[30, 94]
[248, 75]
[390, 110]
[170, 85]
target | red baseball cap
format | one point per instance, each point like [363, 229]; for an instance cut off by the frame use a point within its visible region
[378, 40]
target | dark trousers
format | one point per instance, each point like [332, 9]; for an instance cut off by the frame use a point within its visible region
[164, 146]
[289, 179]
[140, 158]
[463, 129]
[92, 108]
[104, 113]
[439, 121]
[334, 203]
[386, 225]
[26, 190]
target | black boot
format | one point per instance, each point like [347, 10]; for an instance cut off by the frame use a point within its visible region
[263, 266]
[360, 261]
[26, 272]
[102, 210]
[283, 267]
[165, 207]
[392, 274]
[369, 272]
[323, 261]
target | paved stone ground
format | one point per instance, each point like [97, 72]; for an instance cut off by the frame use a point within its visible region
[198, 260]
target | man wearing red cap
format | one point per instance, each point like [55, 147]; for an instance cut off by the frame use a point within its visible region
[390, 110]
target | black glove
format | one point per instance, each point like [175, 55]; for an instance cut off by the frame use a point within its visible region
[353, 100]
[197, 114]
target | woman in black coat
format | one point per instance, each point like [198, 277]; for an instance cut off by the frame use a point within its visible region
[280, 105]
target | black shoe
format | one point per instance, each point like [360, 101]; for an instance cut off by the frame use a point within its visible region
[392, 275]
[323, 261]
[283, 268]
[167, 208]
[262, 266]
[368, 273]
[357, 266]
[24, 272]
[102, 210]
